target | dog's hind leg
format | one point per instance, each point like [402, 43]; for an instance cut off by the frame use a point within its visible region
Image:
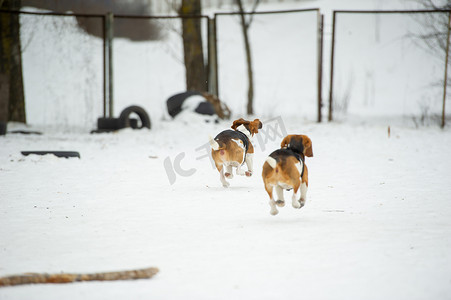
[272, 203]
[280, 200]
[224, 182]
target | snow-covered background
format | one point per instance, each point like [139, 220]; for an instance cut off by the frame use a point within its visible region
[379, 68]
[375, 226]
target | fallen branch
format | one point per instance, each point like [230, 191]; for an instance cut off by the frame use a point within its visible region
[30, 278]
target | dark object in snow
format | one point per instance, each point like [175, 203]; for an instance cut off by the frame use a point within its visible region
[108, 124]
[25, 132]
[3, 126]
[124, 120]
[205, 108]
[65, 154]
[205, 104]
[174, 103]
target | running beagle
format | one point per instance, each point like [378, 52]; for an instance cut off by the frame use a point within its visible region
[232, 148]
[285, 169]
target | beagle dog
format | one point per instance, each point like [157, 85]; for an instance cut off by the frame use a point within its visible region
[285, 169]
[232, 148]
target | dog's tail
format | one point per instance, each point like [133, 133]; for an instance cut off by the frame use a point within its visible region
[271, 162]
[214, 144]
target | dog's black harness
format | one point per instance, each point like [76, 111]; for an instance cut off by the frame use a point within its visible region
[235, 134]
[243, 138]
[289, 152]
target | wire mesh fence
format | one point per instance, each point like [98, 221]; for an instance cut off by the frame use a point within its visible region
[147, 73]
[285, 61]
[62, 70]
[383, 66]
[382, 63]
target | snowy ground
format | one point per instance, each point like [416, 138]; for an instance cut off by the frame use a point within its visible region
[376, 223]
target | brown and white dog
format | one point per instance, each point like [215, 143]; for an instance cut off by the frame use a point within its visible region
[232, 148]
[285, 169]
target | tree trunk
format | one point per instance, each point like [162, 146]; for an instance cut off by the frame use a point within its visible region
[250, 75]
[196, 77]
[11, 61]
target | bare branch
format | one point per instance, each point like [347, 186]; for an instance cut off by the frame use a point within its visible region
[30, 278]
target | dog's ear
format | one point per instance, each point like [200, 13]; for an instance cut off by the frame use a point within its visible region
[285, 142]
[260, 124]
[239, 122]
[307, 142]
[254, 126]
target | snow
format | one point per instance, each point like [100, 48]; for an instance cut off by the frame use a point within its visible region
[375, 224]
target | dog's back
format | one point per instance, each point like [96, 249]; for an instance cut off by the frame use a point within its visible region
[229, 146]
[283, 167]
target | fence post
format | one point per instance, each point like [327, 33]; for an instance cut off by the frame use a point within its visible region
[320, 64]
[331, 86]
[108, 65]
[446, 70]
[104, 65]
[212, 58]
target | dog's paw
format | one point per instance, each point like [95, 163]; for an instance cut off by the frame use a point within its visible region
[296, 204]
[228, 175]
[241, 172]
[274, 212]
[280, 203]
[225, 184]
[248, 173]
[302, 202]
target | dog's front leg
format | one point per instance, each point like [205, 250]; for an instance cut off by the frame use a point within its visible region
[303, 193]
[295, 198]
[239, 171]
[228, 172]
[249, 164]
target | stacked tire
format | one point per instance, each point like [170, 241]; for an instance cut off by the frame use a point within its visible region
[124, 120]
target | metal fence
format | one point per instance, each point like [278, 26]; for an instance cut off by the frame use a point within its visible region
[286, 52]
[380, 64]
[71, 77]
[62, 68]
[148, 73]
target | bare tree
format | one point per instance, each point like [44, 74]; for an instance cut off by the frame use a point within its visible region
[245, 24]
[435, 37]
[11, 63]
[435, 26]
[196, 76]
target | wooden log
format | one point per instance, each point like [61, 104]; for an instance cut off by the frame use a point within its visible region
[31, 278]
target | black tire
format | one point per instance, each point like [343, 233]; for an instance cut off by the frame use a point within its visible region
[65, 154]
[108, 124]
[3, 128]
[124, 118]
[205, 108]
[174, 103]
